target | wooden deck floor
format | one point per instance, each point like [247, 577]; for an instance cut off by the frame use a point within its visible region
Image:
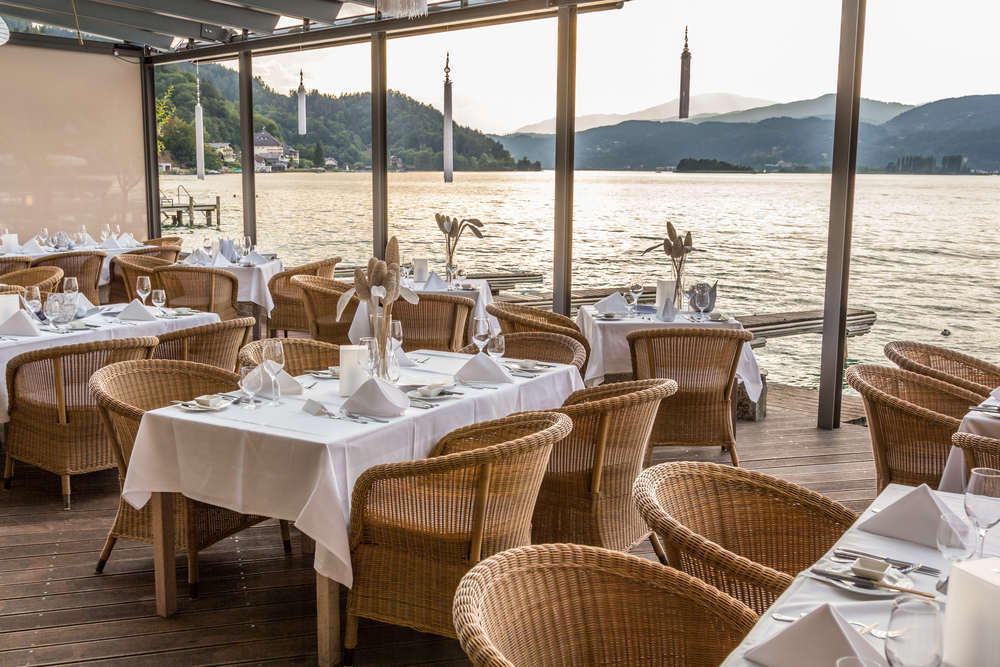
[257, 605]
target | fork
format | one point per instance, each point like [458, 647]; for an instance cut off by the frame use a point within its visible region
[332, 415]
[354, 415]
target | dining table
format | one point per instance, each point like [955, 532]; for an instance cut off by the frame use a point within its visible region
[987, 424]
[253, 291]
[286, 463]
[105, 278]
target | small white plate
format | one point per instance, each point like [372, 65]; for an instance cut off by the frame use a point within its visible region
[194, 407]
[413, 393]
[536, 369]
[892, 576]
[190, 312]
[601, 318]
[76, 326]
[325, 375]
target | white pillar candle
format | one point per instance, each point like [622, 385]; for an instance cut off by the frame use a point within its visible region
[664, 290]
[9, 304]
[10, 243]
[352, 375]
[215, 247]
[420, 269]
[970, 637]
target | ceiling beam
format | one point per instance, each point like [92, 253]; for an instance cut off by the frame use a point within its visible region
[115, 32]
[207, 12]
[324, 11]
[67, 44]
[125, 16]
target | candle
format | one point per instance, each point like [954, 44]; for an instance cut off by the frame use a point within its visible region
[420, 269]
[9, 304]
[970, 639]
[215, 247]
[352, 375]
[10, 243]
[664, 290]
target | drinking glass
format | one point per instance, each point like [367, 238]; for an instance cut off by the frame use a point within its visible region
[116, 230]
[496, 347]
[70, 285]
[105, 232]
[273, 354]
[142, 288]
[248, 244]
[43, 235]
[81, 230]
[396, 334]
[207, 245]
[33, 297]
[159, 298]
[635, 289]
[405, 268]
[956, 538]
[250, 383]
[481, 333]
[369, 356]
[701, 301]
[920, 644]
[982, 501]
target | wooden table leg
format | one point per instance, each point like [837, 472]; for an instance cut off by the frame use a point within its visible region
[307, 544]
[328, 620]
[164, 557]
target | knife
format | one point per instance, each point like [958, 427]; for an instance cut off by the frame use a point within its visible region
[860, 582]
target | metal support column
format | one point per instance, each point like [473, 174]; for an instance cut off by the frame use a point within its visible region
[380, 148]
[838, 255]
[562, 264]
[150, 152]
[246, 146]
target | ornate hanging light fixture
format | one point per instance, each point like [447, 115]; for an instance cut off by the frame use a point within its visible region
[402, 9]
[4, 33]
[302, 105]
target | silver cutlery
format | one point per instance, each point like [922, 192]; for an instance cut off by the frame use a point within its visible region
[920, 569]
[354, 415]
[346, 419]
[419, 361]
[309, 386]
[866, 584]
[422, 406]
[988, 409]
[475, 385]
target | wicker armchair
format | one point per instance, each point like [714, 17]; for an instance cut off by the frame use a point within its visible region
[131, 267]
[586, 496]
[289, 312]
[217, 344]
[202, 288]
[13, 289]
[566, 605]
[979, 451]
[515, 318]
[54, 423]
[417, 527]
[320, 296]
[165, 240]
[551, 348]
[437, 322]
[118, 290]
[14, 263]
[959, 369]
[301, 355]
[84, 265]
[703, 361]
[123, 392]
[744, 532]
[46, 278]
[168, 253]
[911, 419]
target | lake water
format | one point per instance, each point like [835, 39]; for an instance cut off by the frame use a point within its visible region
[924, 252]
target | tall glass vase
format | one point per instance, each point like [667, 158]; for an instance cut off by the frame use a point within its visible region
[677, 271]
[381, 334]
[451, 266]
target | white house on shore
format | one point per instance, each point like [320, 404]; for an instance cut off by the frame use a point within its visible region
[330, 162]
[225, 151]
[274, 152]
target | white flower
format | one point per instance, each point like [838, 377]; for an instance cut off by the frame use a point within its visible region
[378, 291]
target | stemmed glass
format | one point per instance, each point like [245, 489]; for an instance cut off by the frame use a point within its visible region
[34, 298]
[105, 232]
[116, 230]
[43, 235]
[635, 289]
[142, 288]
[701, 301]
[70, 285]
[81, 233]
[250, 382]
[207, 245]
[396, 334]
[481, 333]
[956, 540]
[982, 501]
[159, 298]
[914, 636]
[406, 267]
[369, 356]
[273, 354]
[496, 347]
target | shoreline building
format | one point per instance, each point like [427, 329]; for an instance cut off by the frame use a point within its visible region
[684, 102]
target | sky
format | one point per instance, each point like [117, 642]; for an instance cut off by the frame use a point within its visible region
[504, 77]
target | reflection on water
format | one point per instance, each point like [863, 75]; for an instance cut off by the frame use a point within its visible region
[923, 252]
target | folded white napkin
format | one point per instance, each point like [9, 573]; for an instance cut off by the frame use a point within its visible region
[667, 311]
[199, 256]
[136, 311]
[379, 398]
[111, 243]
[434, 281]
[256, 257]
[83, 302]
[87, 240]
[614, 303]
[315, 408]
[286, 383]
[397, 347]
[821, 637]
[19, 324]
[914, 518]
[126, 241]
[220, 261]
[31, 247]
[10, 243]
[996, 393]
[482, 368]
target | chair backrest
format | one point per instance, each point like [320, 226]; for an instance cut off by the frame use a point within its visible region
[14, 263]
[46, 278]
[165, 240]
[118, 291]
[125, 391]
[911, 419]
[131, 267]
[959, 369]
[515, 318]
[217, 344]
[551, 348]
[84, 265]
[746, 533]
[563, 605]
[13, 289]
[168, 253]
[203, 288]
[979, 451]
[289, 313]
[320, 297]
[437, 322]
[301, 355]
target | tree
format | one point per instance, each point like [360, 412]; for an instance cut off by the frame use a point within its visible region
[212, 159]
[164, 112]
[317, 157]
[178, 138]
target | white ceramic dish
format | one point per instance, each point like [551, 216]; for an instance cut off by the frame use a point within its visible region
[413, 393]
[194, 407]
[870, 569]
[892, 576]
[211, 401]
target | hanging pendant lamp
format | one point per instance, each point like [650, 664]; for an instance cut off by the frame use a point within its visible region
[302, 105]
[402, 9]
[4, 33]
[199, 130]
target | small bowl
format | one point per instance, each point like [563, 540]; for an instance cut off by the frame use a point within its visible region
[210, 400]
[469, 286]
[609, 315]
[526, 364]
[870, 569]
[430, 391]
[334, 370]
[715, 315]
[182, 310]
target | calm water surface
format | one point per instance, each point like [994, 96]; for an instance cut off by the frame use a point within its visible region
[924, 251]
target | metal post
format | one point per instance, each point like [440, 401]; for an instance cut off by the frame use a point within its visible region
[562, 264]
[380, 148]
[150, 152]
[838, 256]
[246, 146]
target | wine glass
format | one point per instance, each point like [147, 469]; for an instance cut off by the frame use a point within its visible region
[142, 288]
[982, 501]
[250, 382]
[701, 301]
[396, 334]
[116, 230]
[207, 245]
[248, 244]
[273, 354]
[43, 235]
[914, 633]
[496, 347]
[369, 356]
[159, 298]
[635, 289]
[405, 268]
[481, 332]
[70, 285]
[105, 232]
[33, 298]
[81, 234]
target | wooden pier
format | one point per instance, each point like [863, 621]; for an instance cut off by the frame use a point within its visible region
[174, 209]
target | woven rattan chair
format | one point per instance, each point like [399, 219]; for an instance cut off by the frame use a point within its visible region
[911, 419]
[202, 288]
[168, 253]
[84, 265]
[289, 312]
[131, 267]
[586, 496]
[12, 289]
[301, 355]
[320, 296]
[165, 240]
[217, 344]
[551, 348]
[118, 290]
[515, 318]
[123, 393]
[746, 533]
[703, 361]
[979, 451]
[437, 322]
[567, 605]
[46, 278]
[959, 369]
[54, 423]
[14, 263]
[417, 527]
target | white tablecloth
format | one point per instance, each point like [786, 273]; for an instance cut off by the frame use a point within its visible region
[282, 462]
[977, 423]
[609, 353]
[108, 331]
[361, 325]
[105, 269]
[253, 282]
